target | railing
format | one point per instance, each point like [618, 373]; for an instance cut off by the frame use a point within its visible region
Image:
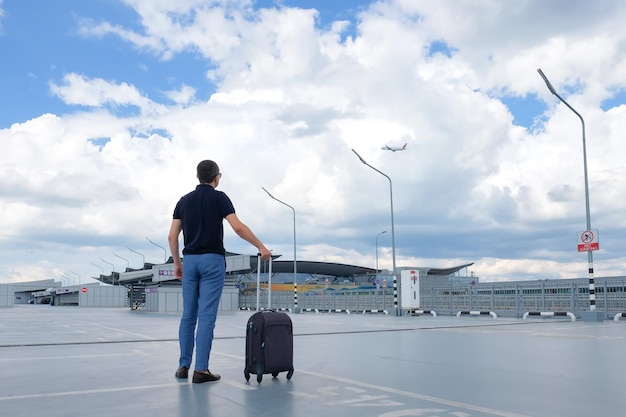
[505, 299]
[516, 299]
[355, 300]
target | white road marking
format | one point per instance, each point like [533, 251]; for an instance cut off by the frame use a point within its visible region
[240, 385]
[368, 401]
[328, 391]
[437, 400]
[363, 400]
[355, 389]
[45, 358]
[413, 412]
[91, 391]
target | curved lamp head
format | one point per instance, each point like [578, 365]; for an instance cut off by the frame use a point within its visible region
[550, 87]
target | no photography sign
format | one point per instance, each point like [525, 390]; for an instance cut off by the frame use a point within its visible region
[588, 240]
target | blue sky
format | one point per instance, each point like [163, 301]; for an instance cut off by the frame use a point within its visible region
[37, 60]
[109, 105]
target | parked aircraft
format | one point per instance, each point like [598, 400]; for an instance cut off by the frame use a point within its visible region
[394, 148]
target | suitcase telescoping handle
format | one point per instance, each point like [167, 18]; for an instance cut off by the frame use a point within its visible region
[258, 283]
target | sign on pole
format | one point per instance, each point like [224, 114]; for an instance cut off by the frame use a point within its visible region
[588, 240]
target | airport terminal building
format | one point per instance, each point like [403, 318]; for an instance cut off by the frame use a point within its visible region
[331, 287]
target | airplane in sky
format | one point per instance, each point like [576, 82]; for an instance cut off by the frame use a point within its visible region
[394, 148]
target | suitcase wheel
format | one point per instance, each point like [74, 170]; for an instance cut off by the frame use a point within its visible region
[290, 373]
[246, 374]
[274, 374]
[259, 372]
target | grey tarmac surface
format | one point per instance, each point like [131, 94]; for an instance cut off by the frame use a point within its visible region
[71, 361]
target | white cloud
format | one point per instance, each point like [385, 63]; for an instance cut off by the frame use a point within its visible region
[184, 95]
[90, 28]
[80, 90]
[292, 99]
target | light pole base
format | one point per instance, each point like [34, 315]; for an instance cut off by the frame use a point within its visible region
[592, 316]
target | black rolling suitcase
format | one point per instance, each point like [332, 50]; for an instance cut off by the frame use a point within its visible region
[269, 341]
[269, 345]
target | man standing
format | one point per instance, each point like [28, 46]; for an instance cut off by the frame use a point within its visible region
[199, 215]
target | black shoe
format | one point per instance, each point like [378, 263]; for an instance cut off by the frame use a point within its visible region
[200, 377]
[182, 372]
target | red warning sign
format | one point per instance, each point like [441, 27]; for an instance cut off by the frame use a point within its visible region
[588, 240]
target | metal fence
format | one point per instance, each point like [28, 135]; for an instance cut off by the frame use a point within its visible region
[504, 299]
[533, 296]
[353, 300]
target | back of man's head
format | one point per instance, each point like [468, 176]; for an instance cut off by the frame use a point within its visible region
[207, 171]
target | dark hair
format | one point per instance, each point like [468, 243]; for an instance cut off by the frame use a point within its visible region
[207, 171]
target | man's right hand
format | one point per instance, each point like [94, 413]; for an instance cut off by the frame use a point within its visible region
[265, 253]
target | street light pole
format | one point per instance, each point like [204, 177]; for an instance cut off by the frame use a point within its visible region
[69, 277]
[106, 262]
[393, 236]
[592, 289]
[295, 267]
[377, 236]
[142, 256]
[112, 271]
[127, 263]
[78, 275]
[101, 273]
[159, 246]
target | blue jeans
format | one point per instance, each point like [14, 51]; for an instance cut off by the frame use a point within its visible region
[203, 281]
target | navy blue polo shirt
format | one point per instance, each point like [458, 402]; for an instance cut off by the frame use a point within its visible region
[202, 212]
